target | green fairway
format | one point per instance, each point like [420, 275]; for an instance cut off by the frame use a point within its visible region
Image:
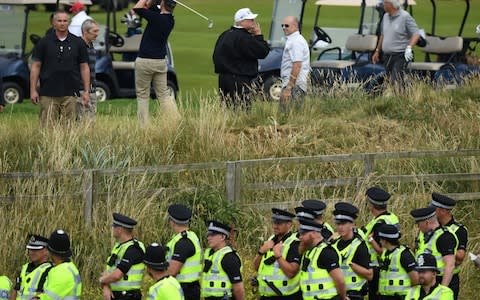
[193, 42]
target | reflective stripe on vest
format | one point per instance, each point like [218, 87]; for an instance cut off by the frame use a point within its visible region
[192, 268]
[315, 282]
[394, 280]
[134, 277]
[390, 219]
[274, 274]
[439, 293]
[431, 247]
[170, 287]
[353, 282]
[29, 282]
[453, 228]
[65, 269]
[215, 282]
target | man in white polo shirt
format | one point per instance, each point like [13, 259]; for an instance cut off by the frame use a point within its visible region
[295, 65]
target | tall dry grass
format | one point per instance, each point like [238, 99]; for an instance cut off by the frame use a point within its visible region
[342, 122]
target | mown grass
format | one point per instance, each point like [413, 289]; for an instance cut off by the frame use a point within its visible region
[330, 123]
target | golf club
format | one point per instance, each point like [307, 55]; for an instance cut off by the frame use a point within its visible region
[210, 22]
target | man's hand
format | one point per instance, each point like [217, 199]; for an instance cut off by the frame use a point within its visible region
[34, 96]
[86, 99]
[107, 293]
[376, 56]
[266, 246]
[255, 29]
[408, 53]
[277, 249]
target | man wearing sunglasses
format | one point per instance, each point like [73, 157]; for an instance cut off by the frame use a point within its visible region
[295, 67]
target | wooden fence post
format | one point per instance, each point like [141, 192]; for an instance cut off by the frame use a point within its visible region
[89, 195]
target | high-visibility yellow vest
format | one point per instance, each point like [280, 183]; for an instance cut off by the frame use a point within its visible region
[274, 274]
[166, 288]
[431, 247]
[5, 287]
[353, 281]
[328, 227]
[390, 219]
[439, 293]
[134, 277]
[215, 281]
[393, 279]
[192, 268]
[63, 282]
[29, 281]
[315, 282]
[453, 228]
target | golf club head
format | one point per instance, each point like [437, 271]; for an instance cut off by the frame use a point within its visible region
[210, 24]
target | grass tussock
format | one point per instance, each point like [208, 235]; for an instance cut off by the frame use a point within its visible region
[346, 121]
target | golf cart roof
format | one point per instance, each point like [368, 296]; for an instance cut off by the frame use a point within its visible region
[24, 2]
[352, 2]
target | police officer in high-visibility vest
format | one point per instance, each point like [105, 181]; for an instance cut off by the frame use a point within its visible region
[353, 250]
[123, 275]
[443, 209]
[436, 240]
[63, 279]
[428, 288]
[33, 274]
[222, 267]
[278, 261]
[320, 273]
[184, 252]
[318, 208]
[5, 287]
[166, 287]
[397, 265]
[377, 200]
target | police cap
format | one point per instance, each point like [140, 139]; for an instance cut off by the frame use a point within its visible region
[309, 225]
[59, 243]
[345, 212]
[155, 257]
[281, 216]
[426, 262]
[305, 213]
[37, 242]
[442, 201]
[215, 227]
[315, 205]
[422, 214]
[123, 221]
[377, 196]
[388, 232]
[179, 213]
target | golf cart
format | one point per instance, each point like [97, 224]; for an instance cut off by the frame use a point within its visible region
[14, 68]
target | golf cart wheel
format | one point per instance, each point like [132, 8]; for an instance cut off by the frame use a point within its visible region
[272, 87]
[172, 89]
[12, 92]
[102, 91]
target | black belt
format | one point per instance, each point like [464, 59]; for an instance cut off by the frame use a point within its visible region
[131, 294]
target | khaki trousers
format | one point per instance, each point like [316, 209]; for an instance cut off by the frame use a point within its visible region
[153, 72]
[57, 109]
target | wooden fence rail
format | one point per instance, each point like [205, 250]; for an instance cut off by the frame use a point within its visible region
[234, 184]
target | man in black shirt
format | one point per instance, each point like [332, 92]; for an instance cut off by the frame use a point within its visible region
[59, 61]
[235, 58]
[351, 246]
[123, 277]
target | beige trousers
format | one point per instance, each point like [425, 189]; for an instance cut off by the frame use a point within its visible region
[153, 72]
[57, 109]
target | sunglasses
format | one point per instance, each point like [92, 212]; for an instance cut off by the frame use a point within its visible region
[285, 25]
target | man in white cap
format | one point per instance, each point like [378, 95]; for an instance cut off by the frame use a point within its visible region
[235, 57]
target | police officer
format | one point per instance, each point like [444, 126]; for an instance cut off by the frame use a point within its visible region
[63, 280]
[428, 288]
[123, 275]
[5, 287]
[443, 209]
[33, 274]
[222, 270]
[353, 250]
[166, 286]
[377, 199]
[278, 260]
[184, 252]
[397, 265]
[318, 208]
[436, 240]
[320, 275]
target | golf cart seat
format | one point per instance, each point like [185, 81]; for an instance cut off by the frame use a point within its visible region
[356, 43]
[131, 44]
[438, 45]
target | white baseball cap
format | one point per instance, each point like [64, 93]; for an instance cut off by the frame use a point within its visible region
[244, 14]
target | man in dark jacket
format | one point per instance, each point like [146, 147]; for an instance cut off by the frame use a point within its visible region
[235, 57]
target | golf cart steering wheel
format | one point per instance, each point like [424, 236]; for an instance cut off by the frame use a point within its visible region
[322, 35]
[115, 39]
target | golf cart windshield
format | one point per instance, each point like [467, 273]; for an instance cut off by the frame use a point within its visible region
[281, 9]
[11, 29]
